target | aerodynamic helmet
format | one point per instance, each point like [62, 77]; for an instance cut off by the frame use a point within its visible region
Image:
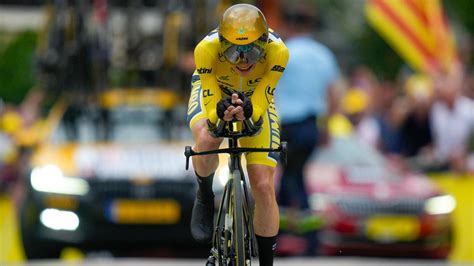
[243, 33]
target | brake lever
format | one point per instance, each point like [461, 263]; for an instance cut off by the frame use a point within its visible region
[188, 152]
[283, 152]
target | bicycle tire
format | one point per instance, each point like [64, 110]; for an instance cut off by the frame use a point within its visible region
[239, 225]
[222, 235]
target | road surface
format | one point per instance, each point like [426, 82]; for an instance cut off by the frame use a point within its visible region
[347, 261]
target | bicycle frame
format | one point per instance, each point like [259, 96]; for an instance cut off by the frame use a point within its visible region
[235, 206]
[237, 178]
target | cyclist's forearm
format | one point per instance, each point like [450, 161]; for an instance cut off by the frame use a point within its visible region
[211, 95]
[263, 94]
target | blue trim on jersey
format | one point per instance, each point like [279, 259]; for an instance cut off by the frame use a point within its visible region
[194, 78]
[275, 34]
[212, 33]
[196, 102]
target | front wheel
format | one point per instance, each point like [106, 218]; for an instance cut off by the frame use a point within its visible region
[239, 225]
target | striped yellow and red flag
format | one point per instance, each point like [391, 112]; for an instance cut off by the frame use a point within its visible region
[417, 29]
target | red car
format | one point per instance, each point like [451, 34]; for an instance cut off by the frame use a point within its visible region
[372, 207]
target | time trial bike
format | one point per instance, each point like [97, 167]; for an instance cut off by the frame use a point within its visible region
[233, 241]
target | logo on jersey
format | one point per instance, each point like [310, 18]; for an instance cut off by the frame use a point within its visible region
[270, 90]
[224, 78]
[278, 68]
[221, 57]
[248, 93]
[206, 93]
[225, 89]
[204, 70]
[253, 82]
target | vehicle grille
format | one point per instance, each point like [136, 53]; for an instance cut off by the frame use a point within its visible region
[126, 189]
[365, 206]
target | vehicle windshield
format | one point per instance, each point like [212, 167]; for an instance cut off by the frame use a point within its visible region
[360, 162]
[120, 124]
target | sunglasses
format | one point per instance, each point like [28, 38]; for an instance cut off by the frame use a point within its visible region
[249, 53]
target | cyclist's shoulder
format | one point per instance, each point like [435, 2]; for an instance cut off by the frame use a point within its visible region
[273, 35]
[274, 38]
[276, 47]
[275, 42]
[209, 44]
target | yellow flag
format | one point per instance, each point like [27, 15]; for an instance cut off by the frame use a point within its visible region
[417, 30]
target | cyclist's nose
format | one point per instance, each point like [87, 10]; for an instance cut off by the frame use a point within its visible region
[243, 59]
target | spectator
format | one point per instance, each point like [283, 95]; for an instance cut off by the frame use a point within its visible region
[301, 98]
[363, 78]
[452, 119]
[389, 114]
[355, 105]
[469, 85]
[416, 128]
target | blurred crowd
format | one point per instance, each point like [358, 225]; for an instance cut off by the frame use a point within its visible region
[425, 122]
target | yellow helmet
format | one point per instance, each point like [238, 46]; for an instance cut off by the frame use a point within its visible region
[243, 28]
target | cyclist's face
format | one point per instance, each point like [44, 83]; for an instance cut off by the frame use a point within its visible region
[243, 57]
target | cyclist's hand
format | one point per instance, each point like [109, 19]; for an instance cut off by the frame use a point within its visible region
[233, 113]
[236, 100]
[229, 109]
[237, 107]
[238, 111]
[246, 104]
[222, 106]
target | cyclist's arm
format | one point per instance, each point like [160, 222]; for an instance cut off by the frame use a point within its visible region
[210, 89]
[263, 94]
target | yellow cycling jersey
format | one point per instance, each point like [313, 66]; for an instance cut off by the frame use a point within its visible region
[218, 76]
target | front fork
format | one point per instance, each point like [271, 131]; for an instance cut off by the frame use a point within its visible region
[222, 232]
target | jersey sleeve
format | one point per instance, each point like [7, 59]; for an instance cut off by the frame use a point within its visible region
[277, 59]
[210, 89]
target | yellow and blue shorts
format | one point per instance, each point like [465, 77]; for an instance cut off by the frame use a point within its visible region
[269, 137]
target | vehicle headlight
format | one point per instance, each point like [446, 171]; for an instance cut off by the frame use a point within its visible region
[49, 178]
[59, 220]
[440, 205]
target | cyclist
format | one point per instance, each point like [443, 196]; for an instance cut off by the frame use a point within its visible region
[238, 66]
